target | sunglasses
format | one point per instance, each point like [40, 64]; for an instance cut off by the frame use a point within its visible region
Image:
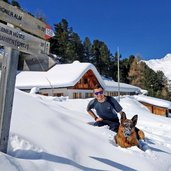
[100, 92]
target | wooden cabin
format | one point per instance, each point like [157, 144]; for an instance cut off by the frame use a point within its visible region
[155, 105]
[158, 110]
[82, 89]
[125, 89]
[87, 82]
[75, 80]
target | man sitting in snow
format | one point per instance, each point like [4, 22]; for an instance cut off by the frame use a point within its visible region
[106, 108]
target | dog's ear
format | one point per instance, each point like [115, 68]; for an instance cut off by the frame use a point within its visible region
[134, 119]
[123, 117]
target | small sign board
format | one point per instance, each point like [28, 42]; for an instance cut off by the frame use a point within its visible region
[22, 41]
[23, 20]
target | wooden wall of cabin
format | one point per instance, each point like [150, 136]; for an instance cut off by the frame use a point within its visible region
[88, 81]
[160, 111]
[156, 109]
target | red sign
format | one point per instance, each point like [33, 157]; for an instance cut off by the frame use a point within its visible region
[49, 32]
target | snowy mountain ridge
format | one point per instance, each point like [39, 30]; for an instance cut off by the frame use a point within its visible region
[162, 64]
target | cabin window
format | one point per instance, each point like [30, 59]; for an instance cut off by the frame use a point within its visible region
[88, 95]
[77, 95]
[109, 93]
[45, 94]
[58, 94]
[85, 81]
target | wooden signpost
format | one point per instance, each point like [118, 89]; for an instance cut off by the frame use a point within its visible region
[23, 20]
[14, 40]
[7, 86]
[22, 41]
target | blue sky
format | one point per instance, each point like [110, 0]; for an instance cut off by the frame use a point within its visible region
[138, 27]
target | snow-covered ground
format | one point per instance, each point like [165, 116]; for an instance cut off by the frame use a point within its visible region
[53, 134]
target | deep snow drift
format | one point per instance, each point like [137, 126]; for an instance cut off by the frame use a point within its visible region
[53, 134]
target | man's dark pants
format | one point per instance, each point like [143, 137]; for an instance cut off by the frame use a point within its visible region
[113, 124]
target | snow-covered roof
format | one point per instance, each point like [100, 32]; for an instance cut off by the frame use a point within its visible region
[65, 75]
[70, 74]
[61, 75]
[111, 85]
[153, 101]
[30, 79]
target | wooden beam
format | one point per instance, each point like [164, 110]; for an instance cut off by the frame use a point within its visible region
[7, 86]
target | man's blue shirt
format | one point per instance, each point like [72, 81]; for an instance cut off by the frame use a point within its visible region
[106, 110]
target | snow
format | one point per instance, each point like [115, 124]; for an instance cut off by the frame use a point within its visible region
[154, 101]
[67, 75]
[53, 134]
[111, 85]
[162, 64]
[34, 90]
[60, 75]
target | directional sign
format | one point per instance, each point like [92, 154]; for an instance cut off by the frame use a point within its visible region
[23, 20]
[15, 40]
[22, 41]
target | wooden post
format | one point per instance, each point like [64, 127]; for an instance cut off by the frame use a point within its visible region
[118, 76]
[7, 87]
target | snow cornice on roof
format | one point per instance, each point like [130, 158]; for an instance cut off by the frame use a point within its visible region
[111, 85]
[67, 75]
[60, 75]
[154, 101]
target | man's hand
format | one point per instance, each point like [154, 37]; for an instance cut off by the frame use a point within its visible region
[121, 112]
[98, 119]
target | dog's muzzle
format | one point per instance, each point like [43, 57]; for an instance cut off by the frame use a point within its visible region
[127, 128]
[127, 132]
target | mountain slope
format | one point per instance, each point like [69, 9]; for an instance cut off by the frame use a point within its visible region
[163, 64]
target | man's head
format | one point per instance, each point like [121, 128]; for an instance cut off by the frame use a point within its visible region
[99, 93]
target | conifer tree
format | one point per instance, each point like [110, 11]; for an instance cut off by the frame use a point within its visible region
[114, 66]
[101, 56]
[134, 74]
[60, 42]
[77, 48]
[87, 50]
[124, 69]
[125, 65]
[105, 56]
[146, 78]
[66, 43]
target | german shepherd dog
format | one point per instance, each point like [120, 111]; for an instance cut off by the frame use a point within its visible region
[128, 135]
